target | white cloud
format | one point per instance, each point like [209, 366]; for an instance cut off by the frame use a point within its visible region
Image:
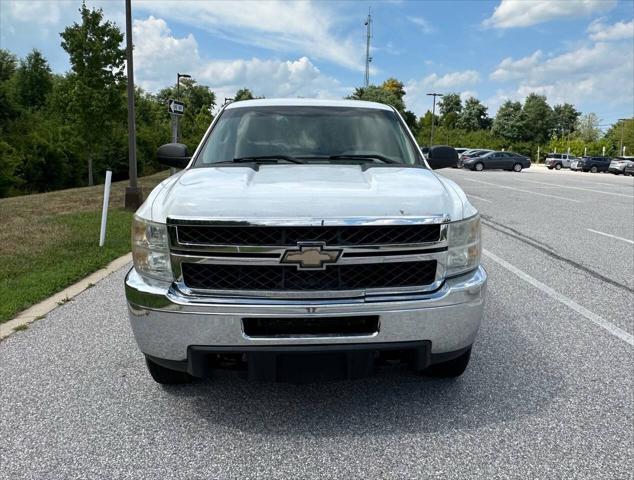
[524, 13]
[601, 32]
[285, 27]
[468, 94]
[599, 74]
[417, 90]
[425, 26]
[159, 55]
[510, 69]
[39, 13]
[451, 80]
[271, 78]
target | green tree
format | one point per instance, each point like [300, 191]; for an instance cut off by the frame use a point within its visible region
[411, 121]
[152, 127]
[565, 118]
[97, 60]
[619, 135]
[587, 127]
[394, 87]
[450, 107]
[8, 107]
[33, 80]
[199, 102]
[423, 128]
[474, 116]
[9, 160]
[374, 93]
[243, 94]
[8, 64]
[509, 121]
[538, 118]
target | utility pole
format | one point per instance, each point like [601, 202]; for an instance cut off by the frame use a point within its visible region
[133, 194]
[368, 58]
[433, 117]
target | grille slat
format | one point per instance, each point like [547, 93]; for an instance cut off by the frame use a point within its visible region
[335, 277]
[289, 236]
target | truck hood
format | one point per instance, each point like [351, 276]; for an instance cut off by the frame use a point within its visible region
[304, 191]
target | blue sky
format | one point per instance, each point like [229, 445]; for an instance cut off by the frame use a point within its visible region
[579, 51]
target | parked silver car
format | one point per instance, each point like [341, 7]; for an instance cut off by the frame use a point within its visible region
[618, 164]
[558, 161]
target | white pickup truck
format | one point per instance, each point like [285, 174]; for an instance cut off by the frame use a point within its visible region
[305, 239]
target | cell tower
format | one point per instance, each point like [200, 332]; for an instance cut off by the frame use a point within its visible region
[368, 58]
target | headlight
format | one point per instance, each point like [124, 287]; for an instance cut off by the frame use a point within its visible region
[150, 249]
[463, 239]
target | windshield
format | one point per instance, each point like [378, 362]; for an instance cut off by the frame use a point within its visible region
[309, 133]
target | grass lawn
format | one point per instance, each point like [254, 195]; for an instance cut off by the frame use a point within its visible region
[49, 241]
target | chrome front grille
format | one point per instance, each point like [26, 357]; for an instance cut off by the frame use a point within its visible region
[247, 258]
[291, 235]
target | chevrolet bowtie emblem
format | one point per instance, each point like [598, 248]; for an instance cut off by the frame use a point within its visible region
[311, 256]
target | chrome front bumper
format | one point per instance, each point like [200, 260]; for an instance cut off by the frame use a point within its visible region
[166, 322]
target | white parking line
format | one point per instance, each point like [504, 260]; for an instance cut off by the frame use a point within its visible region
[593, 317]
[525, 191]
[611, 236]
[579, 188]
[479, 198]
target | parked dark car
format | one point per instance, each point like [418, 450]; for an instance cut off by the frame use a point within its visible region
[498, 160]
[473, 153]
[592, 164]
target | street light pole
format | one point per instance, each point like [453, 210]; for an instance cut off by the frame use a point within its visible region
[176, 119]
[622, 120]
[133, 194]
[433, 117]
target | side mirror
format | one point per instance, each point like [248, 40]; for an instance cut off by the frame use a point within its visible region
[173, 155]
[442, 156]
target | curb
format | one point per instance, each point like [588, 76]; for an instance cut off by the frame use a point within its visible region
[39, 310]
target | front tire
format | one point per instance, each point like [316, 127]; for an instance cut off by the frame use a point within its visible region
[478, 167]
[557, 167]
[594, 169]
[451, 369]
[517, 167]
[167, 376]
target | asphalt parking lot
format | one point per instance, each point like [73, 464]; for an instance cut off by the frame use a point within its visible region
[548, 394]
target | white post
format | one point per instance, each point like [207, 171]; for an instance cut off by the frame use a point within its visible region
[623, 152]
[585, 151]
[104, 210]
[603, 154]
[537, 160]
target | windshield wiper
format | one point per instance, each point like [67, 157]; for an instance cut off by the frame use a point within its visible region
[371, 156]
[267, 158]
